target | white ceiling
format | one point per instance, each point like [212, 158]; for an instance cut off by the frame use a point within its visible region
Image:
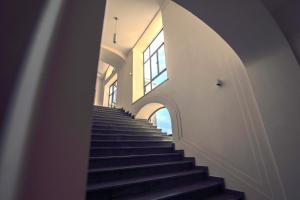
[134, 16]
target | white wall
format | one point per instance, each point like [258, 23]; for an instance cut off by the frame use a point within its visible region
[247, 130]
[274, 73]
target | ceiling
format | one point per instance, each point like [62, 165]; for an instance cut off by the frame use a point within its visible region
[134, 16]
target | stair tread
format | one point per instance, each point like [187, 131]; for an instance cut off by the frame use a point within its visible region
[141, 166]
[116, 184]
[227, 195]
[132, 153]
[134, 156]
[131, 141]
[147, 147]
[174, 191]
[129, 135]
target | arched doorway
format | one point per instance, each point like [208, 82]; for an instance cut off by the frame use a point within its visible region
[161, 119]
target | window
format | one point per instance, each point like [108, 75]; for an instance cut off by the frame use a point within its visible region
[161, 118]
[155, 70]
[112, 99]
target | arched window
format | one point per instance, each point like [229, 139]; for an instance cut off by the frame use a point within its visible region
[161, 118]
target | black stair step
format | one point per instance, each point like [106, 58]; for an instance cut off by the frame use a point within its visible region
[118, 120]
[112, 190]
[130, 143]
[194, 191]
[121, 120]
[227, 195]
[104, 131]
[130, 137]
[121, 125]
[113, 161]
[118, 151]
[97, 129]
[111, 113]
[136, 171]
[113, 133]
[102, 117]
[106, 108]
[128, 123]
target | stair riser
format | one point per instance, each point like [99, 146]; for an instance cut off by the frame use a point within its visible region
[128, 132]
[109, 111]
[113, 118]
[125, 190]
[131, 137]
[117, 162]
[130, 144]
[122, 152]
[128, 129]
[199, 194]
[118, 175]
[111, 115]
[121, 120]
[123, 125]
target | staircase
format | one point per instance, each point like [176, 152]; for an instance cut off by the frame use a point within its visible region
[131, 159]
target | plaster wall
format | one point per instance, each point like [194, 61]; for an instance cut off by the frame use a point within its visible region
[233, 129]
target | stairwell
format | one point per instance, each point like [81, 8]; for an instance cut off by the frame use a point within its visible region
[132, 159]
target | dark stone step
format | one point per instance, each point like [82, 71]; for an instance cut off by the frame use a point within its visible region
[146, 136]
[228, 195]
[106, 108]
[116, 120]
[99, 129]
[112, 117]
[126, 188]
[199, 190]
[130, 143]
[150, 132]
[119, 151]
[138, 171]
[121, 125]
[113, 161]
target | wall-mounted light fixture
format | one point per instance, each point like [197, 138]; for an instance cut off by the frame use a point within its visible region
[115, 33]
[219, 83]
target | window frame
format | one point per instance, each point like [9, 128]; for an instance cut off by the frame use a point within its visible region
[150, 63]
[112, 93]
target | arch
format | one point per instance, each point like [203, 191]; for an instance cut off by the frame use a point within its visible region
[146, 108]
[161, 119]
[112, 57]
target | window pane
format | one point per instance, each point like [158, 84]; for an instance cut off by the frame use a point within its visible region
[161, 78]
[114, 100]
[156, 42]
[161, 58]
[146, 54]
[147, 88]
[147, 75]
[154, 65]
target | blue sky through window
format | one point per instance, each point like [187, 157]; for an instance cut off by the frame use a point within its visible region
[162, 120]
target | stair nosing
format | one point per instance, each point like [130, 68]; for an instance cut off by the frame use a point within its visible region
[115, 184]
[133, 156]
[96, 170]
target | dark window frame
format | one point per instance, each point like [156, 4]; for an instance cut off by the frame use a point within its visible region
[150, 63]
[112, 93]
